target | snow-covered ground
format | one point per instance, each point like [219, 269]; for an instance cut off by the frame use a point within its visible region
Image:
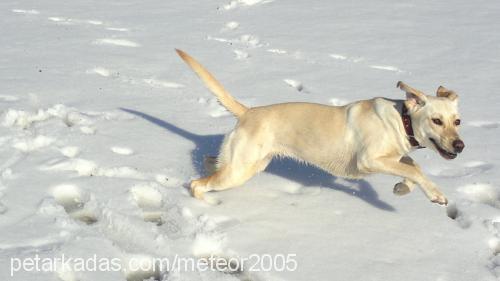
[102, 125]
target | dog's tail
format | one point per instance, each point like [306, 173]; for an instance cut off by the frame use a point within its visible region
[214, 86]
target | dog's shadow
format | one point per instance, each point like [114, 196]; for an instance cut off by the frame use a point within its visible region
[304, 174]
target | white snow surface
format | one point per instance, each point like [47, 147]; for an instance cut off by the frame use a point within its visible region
[102, 126]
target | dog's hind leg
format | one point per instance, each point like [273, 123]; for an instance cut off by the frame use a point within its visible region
[240, 159]
[227, 176]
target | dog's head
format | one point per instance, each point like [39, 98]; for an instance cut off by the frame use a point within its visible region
[435, 120]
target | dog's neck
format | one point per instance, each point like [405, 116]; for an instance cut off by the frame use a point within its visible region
[407, 124]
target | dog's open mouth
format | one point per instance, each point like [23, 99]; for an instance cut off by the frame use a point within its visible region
[443, 152]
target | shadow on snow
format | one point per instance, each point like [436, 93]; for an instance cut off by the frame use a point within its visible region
[306, 175]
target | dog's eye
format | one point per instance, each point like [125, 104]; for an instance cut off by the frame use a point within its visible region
[457, 122]
[437, 121]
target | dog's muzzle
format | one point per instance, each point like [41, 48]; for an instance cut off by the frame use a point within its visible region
[458, 145]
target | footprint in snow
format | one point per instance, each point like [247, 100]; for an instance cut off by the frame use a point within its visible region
[208, 242]
[82, 167]
[241, 55]
[100, 71]
[479, 193]
[209, 246]
[69, 116]
[150, 200]
[229, 26]
[122, 150]
[297, 85]
[85, 167]
[250, 41]
[455, 213]
[157, 209]
[76, 202]
[72, 118]
[493, 226]
[88, 130]
[494, 244]
[70, 151]
[32, 144]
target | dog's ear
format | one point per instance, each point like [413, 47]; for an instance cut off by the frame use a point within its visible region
[445, 93]
[414, 97]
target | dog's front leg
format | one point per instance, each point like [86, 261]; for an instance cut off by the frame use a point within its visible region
[408, 170]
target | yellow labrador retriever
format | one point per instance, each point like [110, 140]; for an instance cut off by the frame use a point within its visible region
[360, 138]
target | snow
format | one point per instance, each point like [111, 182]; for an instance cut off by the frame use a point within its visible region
[102, 126]
[117, 42]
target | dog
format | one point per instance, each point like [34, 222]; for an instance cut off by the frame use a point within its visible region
[351, 141]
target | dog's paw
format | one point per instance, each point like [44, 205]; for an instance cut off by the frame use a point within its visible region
[401, 189]
[198, 189]
[193, 185]
[198, 192]
[439, 198]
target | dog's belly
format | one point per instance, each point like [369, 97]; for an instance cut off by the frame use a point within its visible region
[338, 162]
[344, 167]
[316, 134]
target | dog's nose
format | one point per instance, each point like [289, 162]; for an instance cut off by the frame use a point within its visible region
[458, 145]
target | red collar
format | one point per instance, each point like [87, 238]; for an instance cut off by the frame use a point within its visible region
[408, 127]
